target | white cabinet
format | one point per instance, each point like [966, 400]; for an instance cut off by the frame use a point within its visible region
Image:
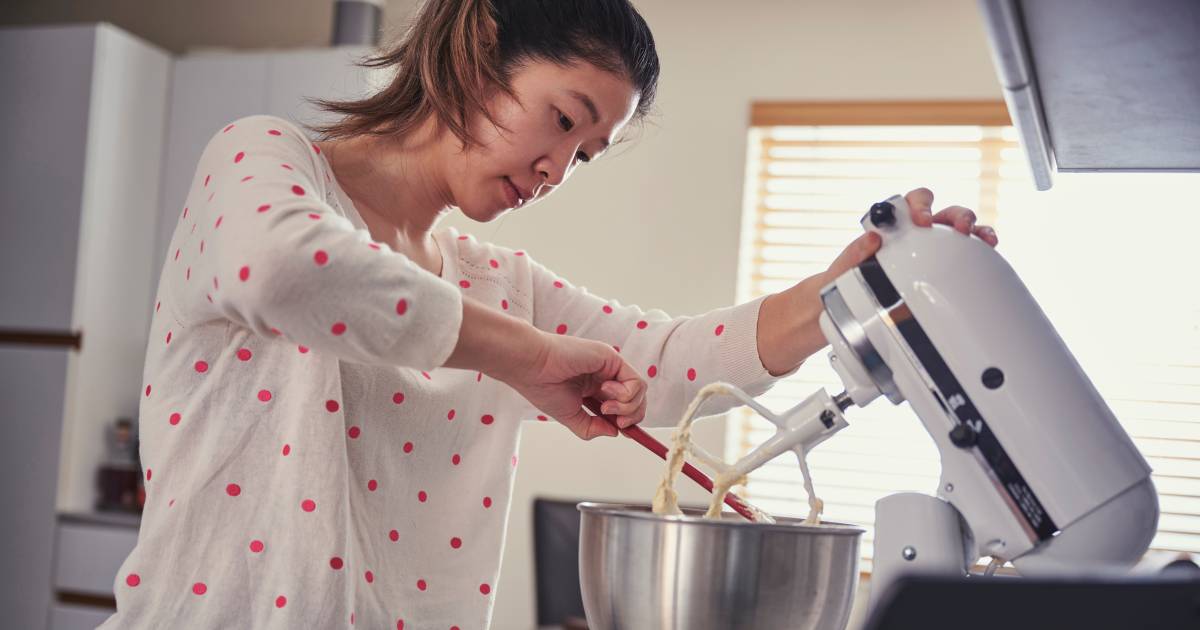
[82, 120]
[102, 133]
[88, 553]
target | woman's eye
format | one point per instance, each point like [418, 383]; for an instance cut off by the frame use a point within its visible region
[583, 157]
[566, 123]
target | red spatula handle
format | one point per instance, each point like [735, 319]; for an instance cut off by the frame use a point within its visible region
[637, 434]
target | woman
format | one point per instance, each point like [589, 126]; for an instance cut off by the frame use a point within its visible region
[329, 422]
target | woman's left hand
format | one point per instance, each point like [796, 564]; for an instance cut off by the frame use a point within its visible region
[788, 326]
[920, 204]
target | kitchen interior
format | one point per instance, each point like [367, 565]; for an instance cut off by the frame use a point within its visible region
[107, 106]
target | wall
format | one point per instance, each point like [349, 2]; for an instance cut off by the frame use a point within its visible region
[657, 223]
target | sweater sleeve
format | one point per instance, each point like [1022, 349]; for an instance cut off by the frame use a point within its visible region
[676, 356]
[258, 245]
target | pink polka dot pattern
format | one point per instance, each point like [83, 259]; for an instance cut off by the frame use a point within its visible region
[199, 588]
[248, 396]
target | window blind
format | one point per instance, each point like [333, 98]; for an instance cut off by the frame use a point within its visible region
[1105, 255]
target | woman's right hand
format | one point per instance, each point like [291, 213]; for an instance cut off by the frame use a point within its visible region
[568, 369]
[553, 372]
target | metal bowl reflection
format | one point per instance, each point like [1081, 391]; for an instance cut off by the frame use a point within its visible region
[639, 570]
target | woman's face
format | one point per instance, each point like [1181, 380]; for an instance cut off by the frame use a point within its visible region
[564, 116]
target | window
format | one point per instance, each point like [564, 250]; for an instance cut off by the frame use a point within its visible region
[1107, 256]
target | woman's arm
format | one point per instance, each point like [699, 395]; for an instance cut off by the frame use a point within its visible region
[675, 356]
[788, 324]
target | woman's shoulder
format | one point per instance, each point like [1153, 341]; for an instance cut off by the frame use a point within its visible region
[261, 130]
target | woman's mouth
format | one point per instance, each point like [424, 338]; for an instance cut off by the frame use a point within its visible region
[512, 194]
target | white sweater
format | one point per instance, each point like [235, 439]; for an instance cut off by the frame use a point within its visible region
[307, 461]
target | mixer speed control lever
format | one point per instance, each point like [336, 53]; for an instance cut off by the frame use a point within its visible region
[964, 436]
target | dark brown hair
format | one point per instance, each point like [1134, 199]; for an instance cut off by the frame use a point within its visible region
[456, 50]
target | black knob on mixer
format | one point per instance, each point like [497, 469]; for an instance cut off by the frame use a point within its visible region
[883, 213]
[963, 436]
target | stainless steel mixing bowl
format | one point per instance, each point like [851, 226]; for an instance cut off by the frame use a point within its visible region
[642, 571]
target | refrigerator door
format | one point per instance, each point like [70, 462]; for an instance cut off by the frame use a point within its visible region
[32, 380]
[44, 123]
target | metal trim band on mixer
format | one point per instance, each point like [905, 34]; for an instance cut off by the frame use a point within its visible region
[1022, 500]
[856, 338]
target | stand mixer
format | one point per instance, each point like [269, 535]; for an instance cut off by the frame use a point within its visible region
[1036, 470]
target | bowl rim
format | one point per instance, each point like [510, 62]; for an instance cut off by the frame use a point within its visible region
[642, 511]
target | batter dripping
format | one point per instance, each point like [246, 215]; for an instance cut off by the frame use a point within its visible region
[666, 500]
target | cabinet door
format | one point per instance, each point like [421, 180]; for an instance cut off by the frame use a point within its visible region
[208, 90]
[74, 617]
[47, 74]
[31, 411]
[89, 556]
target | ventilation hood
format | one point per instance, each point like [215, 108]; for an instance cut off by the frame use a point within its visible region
[1100, 85]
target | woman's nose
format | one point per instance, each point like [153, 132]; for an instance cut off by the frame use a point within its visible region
[553, 170]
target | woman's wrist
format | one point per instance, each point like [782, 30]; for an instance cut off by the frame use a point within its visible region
[494, 343]
[788, 326]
